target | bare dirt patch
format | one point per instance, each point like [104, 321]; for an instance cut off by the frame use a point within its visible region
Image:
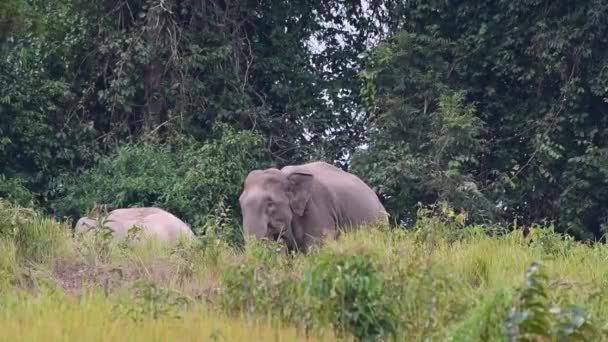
[74, 276]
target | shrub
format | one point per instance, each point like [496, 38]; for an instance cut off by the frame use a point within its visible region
[551, 242]
[136, 175]
[348, 292]
[211, 174]
[221, 224]
[14, 190]
[188, 178]
[436, 224]
[533, 317]
[261, 282]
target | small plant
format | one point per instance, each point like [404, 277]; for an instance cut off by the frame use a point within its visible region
[439, 222]
[152, 302]
[14, 190]
[13, 217]
[244, 288]
[103, 235]
[573, 323]
[267, 252]
[221, 224]
[533, 317]
[134, 233]
[96, 243]
[348, 292]
[551, 242]
[255, 287]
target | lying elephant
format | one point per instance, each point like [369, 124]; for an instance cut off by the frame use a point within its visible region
[153, 222]
[302, 204]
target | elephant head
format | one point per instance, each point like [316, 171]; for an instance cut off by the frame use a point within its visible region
[271, 199]
[85, 224]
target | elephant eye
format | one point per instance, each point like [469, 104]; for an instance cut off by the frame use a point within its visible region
[271, 205]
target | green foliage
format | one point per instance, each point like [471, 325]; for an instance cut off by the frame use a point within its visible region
[435, 162]
[428, 296]
[377, 284]
[550, 242]
[40, 95]
[11, 16]
[135, 175]
[78, 81]
[348, 291]
[261, 284]
[222, 224]
[439, 223]
[14, 190]
[189, 179]
[344, 292]
[534, 319]
[244, 288]
[98, 243]
[496, 107]
[93, 316]
[210, 176]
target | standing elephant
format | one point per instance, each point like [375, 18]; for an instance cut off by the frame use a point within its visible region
[153, 222]
[301, 204]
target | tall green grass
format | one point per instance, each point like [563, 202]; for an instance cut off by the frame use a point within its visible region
[55, 317]
[442, 280]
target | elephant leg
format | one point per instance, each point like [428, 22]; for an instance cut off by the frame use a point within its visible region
[290, 241]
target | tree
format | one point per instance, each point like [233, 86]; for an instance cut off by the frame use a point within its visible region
[82, 79]
[534, 71]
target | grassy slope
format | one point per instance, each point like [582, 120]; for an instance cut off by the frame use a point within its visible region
[437, 281]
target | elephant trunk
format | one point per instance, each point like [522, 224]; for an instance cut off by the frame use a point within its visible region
[255, 228]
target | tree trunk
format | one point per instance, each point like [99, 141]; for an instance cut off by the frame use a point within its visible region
[155, 106]
[155, 109]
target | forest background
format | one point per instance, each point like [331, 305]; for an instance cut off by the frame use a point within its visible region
[497, 108]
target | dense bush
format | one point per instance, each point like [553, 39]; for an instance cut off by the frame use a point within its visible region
[187, 178]
[14, 190]
[350, 293]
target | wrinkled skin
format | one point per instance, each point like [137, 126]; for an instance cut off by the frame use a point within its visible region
[154, 222]
[303, 204]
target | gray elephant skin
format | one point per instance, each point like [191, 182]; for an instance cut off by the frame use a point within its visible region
[304, 204]
[154, 222]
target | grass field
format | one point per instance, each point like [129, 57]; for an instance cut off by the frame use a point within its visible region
[439, 281]
[56, 317]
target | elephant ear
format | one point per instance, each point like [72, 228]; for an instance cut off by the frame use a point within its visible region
[300, 191]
